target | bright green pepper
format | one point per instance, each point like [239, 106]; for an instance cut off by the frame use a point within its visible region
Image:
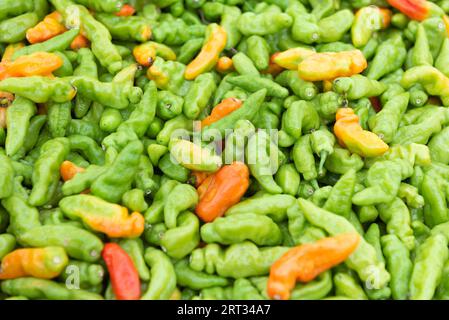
[88, 148]
[346, 285]
[110, 120]
[435, 208]
[59, 117]
[358, 86]
[441, 62]
[237, 228]
[173, 170]
[442, 290]
[333, 27]
[87, 275]
[341, 160]
[199, 95]
[327, 105]
[304, 159]
[244, 65]
[134, 248]
[14, 29]
[411, 196]
[252, 84]
[194, 157]
[288, 179]
[263, 24]
[339, 200]
[187, 277]
[252, 261]
[125, 28]
[181, 198]
[428, 268]
[6, 177]
[436, 146]
[7, 244]
[304, 89]
[163, 276]
[176, 32]
[135, 200]
[258, 51]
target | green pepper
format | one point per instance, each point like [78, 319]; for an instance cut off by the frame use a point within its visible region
[187, 277]
[59, 117]
[6, 176]
[442, 290]
[263, 24]
[288, 179]
[88, 148]
[252, 84]
[346, 285]
[333, 27]
[435, 208]
[327, 105]
[66, 70]
[304, 159]
[252, 261]
[181, 198]
[358, 86]
[134, 248]
[441, 62]
[125, 28]
[88, 275]
[135, 200]
[258, 51]
[176, 32]
[14, 29]
[199, 95]
[244, 65]
[304, 89]
[339, 200]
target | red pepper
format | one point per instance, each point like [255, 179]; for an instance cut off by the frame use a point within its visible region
[126, 11]
[414, 9]
[122, 272]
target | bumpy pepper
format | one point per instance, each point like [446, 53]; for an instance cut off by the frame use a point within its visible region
[428, 268]
[263, 23]
[435, 208]
[367, 20]
[386, 123]
[252, 84]
[123, 274]
[48, 28]
[322, 142]
[154, 214]
[222, 190]
[364, 260]
[252, 260]
[40, 89]
[433, 81]
[14, 29]
[357, 87]
[46, 170]
[275, 206]
[44, 263]
[437, 148]
[214, 44]
[102, 216]
[290, 59]
[180, 198]
[304, 89]
[199, 95]
[339, 199]
[288, 179]
[416, 9]
[399, 264]
[304, 159]
[352, 136]
[331, 65]
[168, 75]
[187, 277]
[346, 285]
[36, 64]
[126, 28]
[90, 275]
[146, 53]
[237, 228]
[295, 264]
[112, 6]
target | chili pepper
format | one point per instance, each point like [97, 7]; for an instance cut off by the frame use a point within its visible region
[173, 170]
[14, 29]
[154, 214]
[320, 195]
[146, 53]
[291, 266]
[59, 117]
[208, 57]
[106, 6]
[362, 141]
[177, 32]
[238, 228]
[442, 290]
[18, 117]
[88, 148]
[303, 158]
[90, 275]
[189, 50]
[117, 179]
[194, 157]
[429, 77]
[263, 24]
[57, 43]
[288, 179]
[322, 143]
[244, 65]
[290, 59]
[221, 110]
[181, 198]
[339, 200]
[357, 87]
[68, 170]
[168, 75]
[39, 89]
[66, 69]
[390, 56]
[199, 95]
[15, 8]
[421, 55]
[6, 177]
[135, 200]
[171, 126]
[7, 244]
[428, 267]
[50, 27]
[36, 64]
[253, 261]
[331, 65]
[124, 277]
[187, 277]
[258, 51]
[367, 20]
[163, 275]
[416, 9]
[125, 28]
[436, 147]
[347, 286]
[44, 263]
[399, 265]
[304, 89]
[275, 206]
[364, 259]
[34, 288]
[435, 208]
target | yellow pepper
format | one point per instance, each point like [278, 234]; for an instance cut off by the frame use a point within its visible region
[291, 58]
[99, 215]
[332, 65]
[210, 53]
[352, 136]
[146, 53]
[44, 263]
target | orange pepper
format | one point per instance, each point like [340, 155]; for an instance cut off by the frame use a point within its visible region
[36, 64]
[224, 64]
[10, 50]
[210, 53]
[68, 170]
[199, 177]
[304, 263]
[414, 9]
[126, 11]
[222, 110]
[145, 54]
[44, 263]
[291, 58]
[222, 190]
[386, 17]
[48, 28]
[79, 42]
[331, 65]
[352, 136]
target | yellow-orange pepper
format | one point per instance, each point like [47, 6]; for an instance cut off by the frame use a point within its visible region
[44, 263]
[222, 110]
[36, 64]
[331, 65]
[352, 136]
[224, 64]
[10, 50]
[146, 53]
[210, 53]
[108, 218]
[48, 28]
[79, 42]
[291, 58]
[446, 24]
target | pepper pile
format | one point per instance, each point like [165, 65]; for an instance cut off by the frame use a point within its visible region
[229, 149]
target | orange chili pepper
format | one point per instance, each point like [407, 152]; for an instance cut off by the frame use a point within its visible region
[414, 9]
[352, 136]
[36, 64]
[199, 177]
[79, 42]
[386, 17]
[222, 110]
[224, 64]
[68, 170]
[126, 11]
[10, 50]
[48, 28]
[210, 53]
[291, 58]
[44, 263]
[331, 65]
[304, 263]
[222, 190]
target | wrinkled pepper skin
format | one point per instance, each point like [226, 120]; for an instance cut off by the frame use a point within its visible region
[111, 219]
[182, 197]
